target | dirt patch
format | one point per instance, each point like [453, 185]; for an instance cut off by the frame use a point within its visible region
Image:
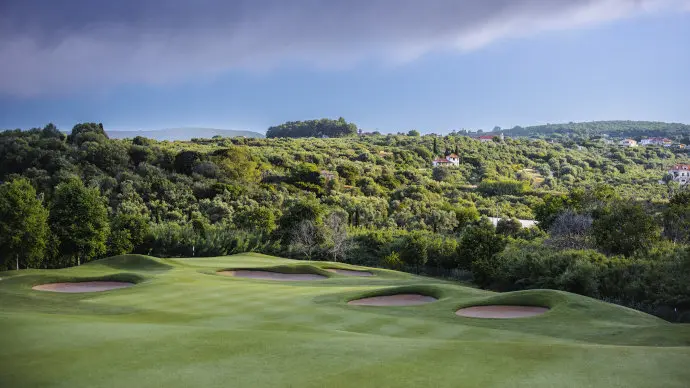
[394, 300]
[96, 286]
[501, 311]
[268, 275]
[349, 272]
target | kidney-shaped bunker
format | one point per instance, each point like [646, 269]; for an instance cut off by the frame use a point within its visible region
[269, 275]
[394, 300]
[93, 286]
[501, 311]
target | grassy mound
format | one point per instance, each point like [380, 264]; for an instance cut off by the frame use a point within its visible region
[134, 263]
[294, 269]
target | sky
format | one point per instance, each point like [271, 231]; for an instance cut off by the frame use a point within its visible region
[387, 65]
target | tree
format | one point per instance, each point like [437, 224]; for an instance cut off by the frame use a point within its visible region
[313, 128]
[303, 210]
[546, 213]
[624, 228]
[128, 230]
[185, 160]
[570, 230]
[414, 250]
[79, 219]
[87, 132]
[441, 221]
[306, 238]
[259, 219]
[465, 214]
[335, 225]
[676, 218]
[479, 242]
[23, 225]
[440, 174]
[413, 132]
[508, 227]
[237, 164]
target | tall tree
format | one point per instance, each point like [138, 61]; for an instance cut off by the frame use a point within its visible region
[79, 219]
[335, 225]
[624, 229]
[479, 242]
[23, 225]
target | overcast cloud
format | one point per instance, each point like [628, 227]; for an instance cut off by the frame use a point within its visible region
[49, 46]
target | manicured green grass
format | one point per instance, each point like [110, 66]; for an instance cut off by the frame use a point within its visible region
[183, 325]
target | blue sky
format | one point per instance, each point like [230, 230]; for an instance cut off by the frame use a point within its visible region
[434, 66]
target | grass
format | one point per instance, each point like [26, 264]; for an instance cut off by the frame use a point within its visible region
[183, 325]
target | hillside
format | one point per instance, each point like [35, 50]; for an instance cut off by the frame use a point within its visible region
[619, 128]
[182, 133]
[608, 228]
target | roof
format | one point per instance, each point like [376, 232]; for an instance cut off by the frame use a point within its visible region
[452, 156]
[487, 137]
[680, 167]
[439, 160]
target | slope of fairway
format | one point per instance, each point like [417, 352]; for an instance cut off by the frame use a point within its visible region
[182, 324]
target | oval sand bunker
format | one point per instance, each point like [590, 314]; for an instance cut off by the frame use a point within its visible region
[394, 300]
[499, 311]
[268, 275]
[349, 272]
[95, 286]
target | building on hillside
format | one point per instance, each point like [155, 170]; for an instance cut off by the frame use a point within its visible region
[486, 138]
[660, 141]
[680, 173]
[628, 143]
[451, 160]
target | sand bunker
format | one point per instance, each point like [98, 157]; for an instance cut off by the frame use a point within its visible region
[394, 300]
[349, 272]
[268, 275]
[96, 286]
[499, 311]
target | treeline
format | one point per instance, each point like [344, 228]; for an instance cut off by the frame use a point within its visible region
[313, 128]
[608, 229]
[633, 129]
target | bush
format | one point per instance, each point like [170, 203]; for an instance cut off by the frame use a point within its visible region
[392, 261]
[503, 187]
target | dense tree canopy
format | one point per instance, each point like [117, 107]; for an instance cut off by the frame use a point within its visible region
[313, 128]
[23, 226]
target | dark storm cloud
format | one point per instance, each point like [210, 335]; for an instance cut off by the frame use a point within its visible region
[49, 46]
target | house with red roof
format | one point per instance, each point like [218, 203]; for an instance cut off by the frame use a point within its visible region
[680, 173]
[448, 161]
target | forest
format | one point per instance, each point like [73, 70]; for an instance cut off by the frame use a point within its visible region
[315, 190]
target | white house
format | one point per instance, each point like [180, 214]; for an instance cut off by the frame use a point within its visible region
[680, 173]
[449, 161]
[628, 143]
[661, 141]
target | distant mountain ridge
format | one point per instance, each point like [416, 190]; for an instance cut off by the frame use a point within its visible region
[172, 134]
